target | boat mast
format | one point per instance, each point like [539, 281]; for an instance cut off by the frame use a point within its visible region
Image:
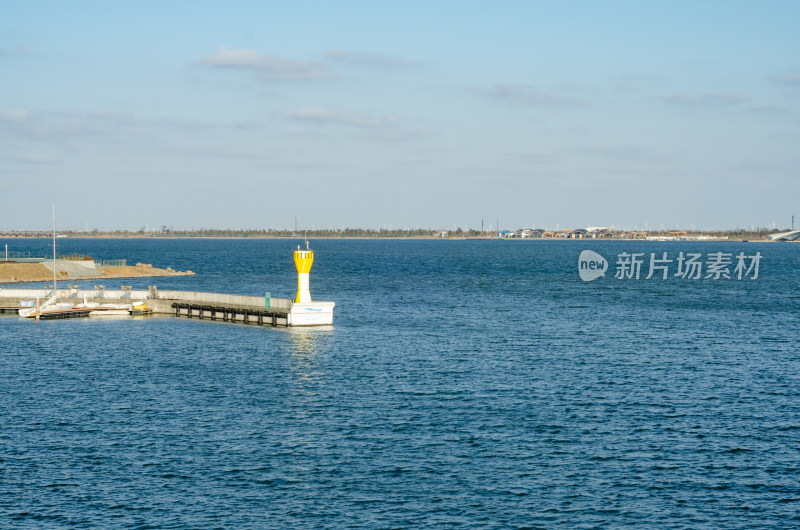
[54, 247]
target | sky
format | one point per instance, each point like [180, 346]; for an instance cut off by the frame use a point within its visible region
[634, 114]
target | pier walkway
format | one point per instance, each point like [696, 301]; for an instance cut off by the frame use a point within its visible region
[187, 304]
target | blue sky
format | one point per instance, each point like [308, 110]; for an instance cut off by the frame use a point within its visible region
[408, 114]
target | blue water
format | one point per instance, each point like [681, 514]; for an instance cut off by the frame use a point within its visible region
[464, 384]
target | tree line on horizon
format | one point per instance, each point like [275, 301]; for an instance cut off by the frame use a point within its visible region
[367, 232]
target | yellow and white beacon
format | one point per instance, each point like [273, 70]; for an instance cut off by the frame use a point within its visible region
[305, 312]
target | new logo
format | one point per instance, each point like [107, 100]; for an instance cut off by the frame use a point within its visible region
[591, 265]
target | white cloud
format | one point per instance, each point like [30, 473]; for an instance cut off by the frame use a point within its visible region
[791, 79]
[367, 59]
[527, 95]
[621, 152]
[35, 159]
[266, 66]
[704, 100]
[16, 50]
[14, 116]
[341, 118]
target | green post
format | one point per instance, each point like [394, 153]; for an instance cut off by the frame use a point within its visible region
[267, 298]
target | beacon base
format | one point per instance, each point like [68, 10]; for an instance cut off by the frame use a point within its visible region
[311, 314]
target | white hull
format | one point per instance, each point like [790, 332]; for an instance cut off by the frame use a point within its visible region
[110, 313]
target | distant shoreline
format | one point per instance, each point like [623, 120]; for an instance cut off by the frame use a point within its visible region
[434, 238]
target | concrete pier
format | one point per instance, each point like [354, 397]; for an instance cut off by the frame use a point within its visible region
[187, 304]
[232, 313]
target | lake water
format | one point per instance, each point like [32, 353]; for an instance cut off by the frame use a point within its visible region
[467, 384]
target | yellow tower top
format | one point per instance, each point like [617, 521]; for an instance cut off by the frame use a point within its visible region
[303, 259]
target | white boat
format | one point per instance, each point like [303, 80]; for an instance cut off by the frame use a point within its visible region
[52, 309]
[109, 307]
[87, 305]
[111, 310]
[38, 308]
[98, 312]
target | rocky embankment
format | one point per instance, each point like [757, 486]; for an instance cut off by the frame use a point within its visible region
[11, 272]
